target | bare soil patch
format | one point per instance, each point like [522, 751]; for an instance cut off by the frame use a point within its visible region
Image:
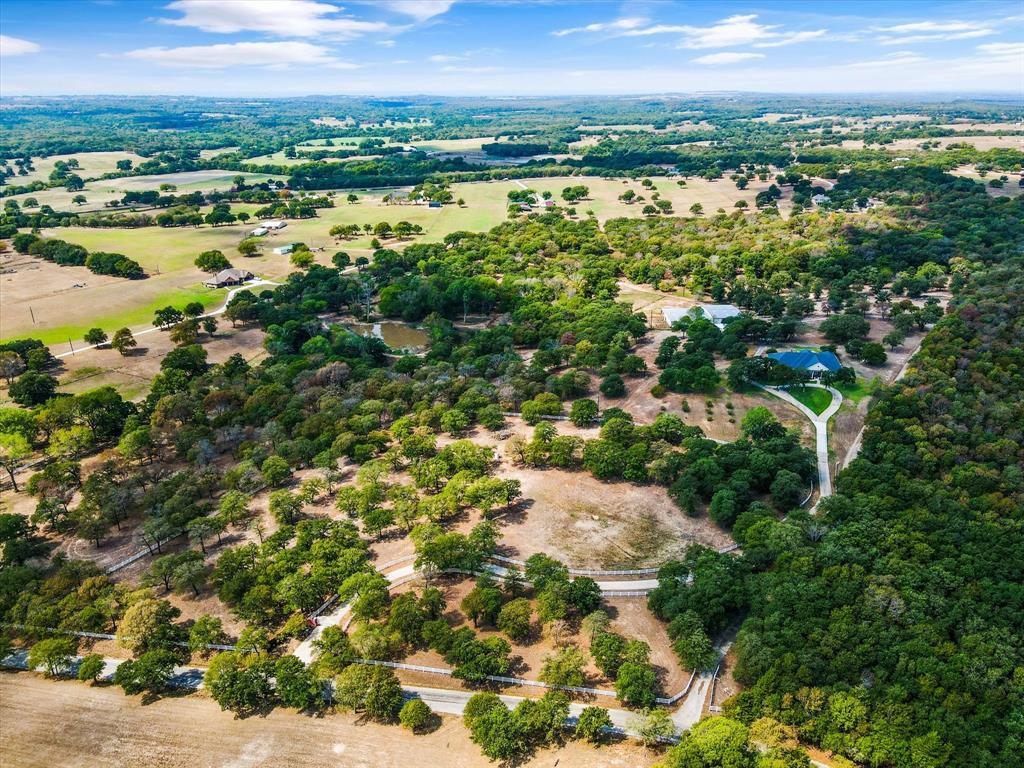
[99, 727]
[587, 523]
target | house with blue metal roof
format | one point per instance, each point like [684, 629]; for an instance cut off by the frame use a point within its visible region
[815, 363]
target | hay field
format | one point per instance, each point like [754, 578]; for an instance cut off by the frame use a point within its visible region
[167, 255]
[94, 164]
[98, 193]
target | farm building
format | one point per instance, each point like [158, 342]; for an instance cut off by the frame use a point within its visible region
[276, 224]
[233, 276]
[819, 199]
[284, 250]
[716, 313]
[815, 363]
[258, 232]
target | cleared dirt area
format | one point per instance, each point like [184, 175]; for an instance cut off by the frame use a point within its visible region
[99, 726]
[587, 523]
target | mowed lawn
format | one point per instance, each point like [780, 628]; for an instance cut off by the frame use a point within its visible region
[167, 255]
[814, 398]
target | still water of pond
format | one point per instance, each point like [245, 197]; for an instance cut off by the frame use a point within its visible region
[395, 335]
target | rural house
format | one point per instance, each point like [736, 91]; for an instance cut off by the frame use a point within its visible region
[815, 363]
[233, 276]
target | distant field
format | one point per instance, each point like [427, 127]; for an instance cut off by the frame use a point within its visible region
[979, 142]
[98, 193]
[94, 164]
[167, 255]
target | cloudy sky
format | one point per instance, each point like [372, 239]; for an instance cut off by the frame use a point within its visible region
[298, 47]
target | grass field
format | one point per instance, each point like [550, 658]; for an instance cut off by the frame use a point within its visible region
[98, 193]
[93, 165]
[814, 398]
[62, 311]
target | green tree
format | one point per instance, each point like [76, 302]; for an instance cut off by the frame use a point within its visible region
[207, 630]
[53, 654]
[566, 667]
[14, 449]
[416, 716]
[275, 471]
[592, 724]
[33, 388]
[150, 672]
[654, 726]
[123, 341]
[95, 336]
[90, 668]
[583, 412]
[636, 684]
[296, 685]
[514, 619]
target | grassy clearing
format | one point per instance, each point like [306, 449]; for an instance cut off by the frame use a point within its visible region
[167, 255]
[858, 390]
[814, 398]
[93, 164]
[98, 193]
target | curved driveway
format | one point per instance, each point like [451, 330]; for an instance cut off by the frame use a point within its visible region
[820, 422]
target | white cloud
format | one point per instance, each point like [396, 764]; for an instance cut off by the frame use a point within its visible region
[471, 70]
[15, 46]
[727, 33]
[619, 25]
[386, 43]
[421, 10]
[895, 59]
[932, 31]
[1004, 50]
[441, 58]
[726, 57]
[277, 55]
[791, 38]
[284, 18]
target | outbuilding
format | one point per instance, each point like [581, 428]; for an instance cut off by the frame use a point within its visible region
[716, 313]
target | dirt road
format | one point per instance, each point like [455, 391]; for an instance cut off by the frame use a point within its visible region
[49, 723]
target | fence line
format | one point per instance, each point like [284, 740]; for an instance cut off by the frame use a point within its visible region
[106, 636]
[493, 678]
[141, 554]
[583, 571]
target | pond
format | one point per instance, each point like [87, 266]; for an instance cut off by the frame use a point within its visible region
[395, 335]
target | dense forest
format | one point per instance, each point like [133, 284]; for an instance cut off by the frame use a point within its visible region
[890, 629]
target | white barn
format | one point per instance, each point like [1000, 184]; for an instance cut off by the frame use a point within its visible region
[716, 313]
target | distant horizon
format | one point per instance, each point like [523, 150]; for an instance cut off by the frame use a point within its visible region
[865, 95]
[286, 48]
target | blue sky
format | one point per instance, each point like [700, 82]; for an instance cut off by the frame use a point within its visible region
[297, 47]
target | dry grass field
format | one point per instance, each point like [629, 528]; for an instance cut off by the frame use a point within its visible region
[167, 254]
[93, 165]
[60, 723]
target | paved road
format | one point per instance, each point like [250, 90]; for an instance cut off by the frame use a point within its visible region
[820, 422]
[214, 313]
